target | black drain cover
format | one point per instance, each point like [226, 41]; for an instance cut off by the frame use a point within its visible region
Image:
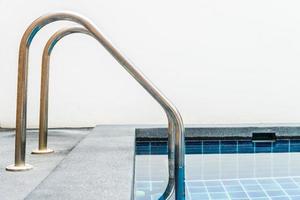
[264, 137]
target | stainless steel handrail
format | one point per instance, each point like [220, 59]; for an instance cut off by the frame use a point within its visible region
[43, 123]
[43, 127]
[178, 186]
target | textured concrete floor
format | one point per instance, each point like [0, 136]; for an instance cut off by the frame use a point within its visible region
[17, 185]
[87, 164]
[100, 167]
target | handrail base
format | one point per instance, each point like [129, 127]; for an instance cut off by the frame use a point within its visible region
[43, 151]
[14, 168]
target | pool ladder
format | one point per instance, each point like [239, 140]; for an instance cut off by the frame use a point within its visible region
[176, 145]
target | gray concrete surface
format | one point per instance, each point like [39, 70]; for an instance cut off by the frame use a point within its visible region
[17, 185]
[101, 166]
[87, 164]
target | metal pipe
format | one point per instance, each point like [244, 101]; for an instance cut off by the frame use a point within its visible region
[171, 182]
[43, 123]
[172, 112]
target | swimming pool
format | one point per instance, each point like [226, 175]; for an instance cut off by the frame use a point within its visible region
[223, 169]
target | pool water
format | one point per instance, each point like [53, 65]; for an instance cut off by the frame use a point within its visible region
[223, 170]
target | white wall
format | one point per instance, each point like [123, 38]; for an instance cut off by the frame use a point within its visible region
[219, 61]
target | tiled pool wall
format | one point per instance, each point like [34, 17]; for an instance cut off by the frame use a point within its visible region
[220, 140]
[221, 147]
[223, 163]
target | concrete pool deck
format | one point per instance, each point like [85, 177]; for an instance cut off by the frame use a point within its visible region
[87, 164]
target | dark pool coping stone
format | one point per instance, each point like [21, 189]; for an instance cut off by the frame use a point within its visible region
[221, 131]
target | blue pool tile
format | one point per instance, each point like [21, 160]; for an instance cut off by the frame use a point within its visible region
[252, 187]
[256, 194]
[270, 186]
[294, 145]
[283, 180]
[263, 147]
[143, 148]
[194, 143]
[275, 193]
[213, 183]
[142, 183]
[294, 192]
[143, 152]
[197, 189]
[289, 186]
[159, 184]
[215, 189]
[280, 146]
[228, 146]
[195, 183]
[139, 143]
[280, 198]
[295, 197]
[211, 147]
[266, 181]
[193, 148]
[238, 195]
[231, 182]
[218, 195]
[295, 142]
[198, 142]
[159, 148]
[296, 179]
[245, 147]
[143, 145]
[234, 188]
[199, 196]
[248, 182]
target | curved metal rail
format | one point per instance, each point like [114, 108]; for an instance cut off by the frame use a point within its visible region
[44, 93]
[176, 127]
[43, 125]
